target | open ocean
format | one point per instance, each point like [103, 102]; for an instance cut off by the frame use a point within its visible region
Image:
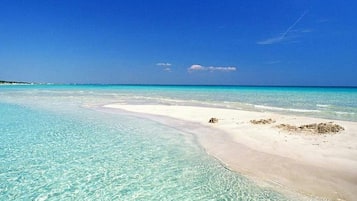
[56, 146]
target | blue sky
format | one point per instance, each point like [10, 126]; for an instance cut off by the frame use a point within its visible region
[281, 42]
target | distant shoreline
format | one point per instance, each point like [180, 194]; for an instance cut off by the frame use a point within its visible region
[210, 85]
[2, 82]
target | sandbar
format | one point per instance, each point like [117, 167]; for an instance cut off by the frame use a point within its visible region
[319, 165]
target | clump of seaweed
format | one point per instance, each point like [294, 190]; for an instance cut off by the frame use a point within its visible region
[320, 128]
[262, 121]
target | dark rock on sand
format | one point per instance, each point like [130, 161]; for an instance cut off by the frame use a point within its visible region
[213, 120]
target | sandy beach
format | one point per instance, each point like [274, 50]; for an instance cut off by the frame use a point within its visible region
[322, 165]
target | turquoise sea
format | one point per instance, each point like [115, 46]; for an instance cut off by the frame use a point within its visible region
[56, 146]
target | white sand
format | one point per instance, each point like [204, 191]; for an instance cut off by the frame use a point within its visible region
[312, 164]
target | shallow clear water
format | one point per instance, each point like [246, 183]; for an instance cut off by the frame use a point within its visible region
[330, 103]
[97, 156]
[54, 147]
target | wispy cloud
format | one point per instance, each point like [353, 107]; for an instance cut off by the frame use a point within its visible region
[283, 36]
[167, 69]
[163, 64]
[197, 67]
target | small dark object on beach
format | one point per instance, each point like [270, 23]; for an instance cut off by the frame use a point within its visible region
[262, 121]
[213, 120]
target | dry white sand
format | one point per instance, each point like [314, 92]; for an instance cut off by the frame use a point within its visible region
[312, 164]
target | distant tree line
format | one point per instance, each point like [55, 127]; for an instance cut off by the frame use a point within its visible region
[12, 82]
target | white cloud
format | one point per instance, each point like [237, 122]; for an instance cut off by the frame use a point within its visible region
[163, 64]
[283, 36]
[197, 67]
[167, 69]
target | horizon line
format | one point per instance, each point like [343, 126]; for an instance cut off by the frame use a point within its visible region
[213, 85]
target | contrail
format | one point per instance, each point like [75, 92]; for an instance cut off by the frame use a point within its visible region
[292, 26]
[282, 36]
